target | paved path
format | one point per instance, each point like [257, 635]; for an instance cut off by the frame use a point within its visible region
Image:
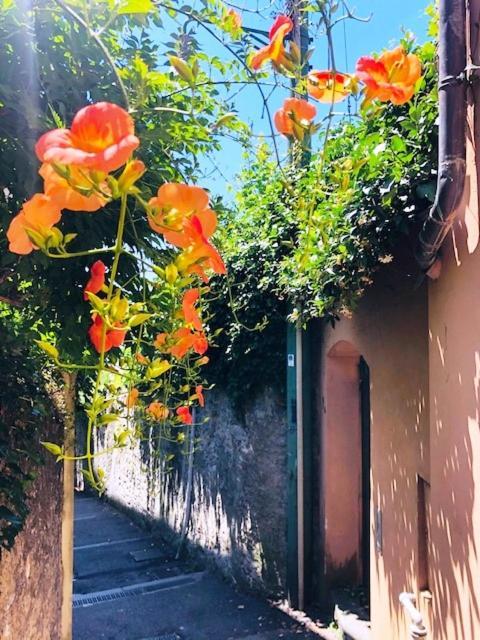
[128, 586]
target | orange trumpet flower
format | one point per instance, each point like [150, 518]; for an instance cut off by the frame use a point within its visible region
[199, 254]
[185, 340]
[158, 411]
[39, 213]
[188, 307]
[113, 337]
[174, 205]
[184, 415]
[132, 398]
[66, 196]
[294, 111]
[274, 51]
[329, 86]
[390, 78]
[97, 279]
[101, 138]
[199, 394]
[235, 18]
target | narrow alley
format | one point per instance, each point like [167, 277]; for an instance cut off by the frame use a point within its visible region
[128, 586]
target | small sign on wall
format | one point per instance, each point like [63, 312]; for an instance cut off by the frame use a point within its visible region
[291, 360]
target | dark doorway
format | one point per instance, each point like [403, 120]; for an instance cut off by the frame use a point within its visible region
[364, 375]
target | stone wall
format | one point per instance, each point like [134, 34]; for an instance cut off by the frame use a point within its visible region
[30, 574]
[238, 513]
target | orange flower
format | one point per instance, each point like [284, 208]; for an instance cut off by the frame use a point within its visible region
[132, 398]
[294, 111]
[235, 18]
[274, 51]
[39, 213]
[174, 205]
[199, 394]
[141, 359]
[97, 279]
[158, 411]
[188, 307]
[160, 340]
[65, 196]
[184, 415]
[329, 86]
[185, 339]
[199, 254]
[101, 138]
[113, 337]
[391, 77]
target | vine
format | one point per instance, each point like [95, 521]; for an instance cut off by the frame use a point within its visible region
[136, 218]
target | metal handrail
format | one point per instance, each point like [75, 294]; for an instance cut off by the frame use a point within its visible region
[417, 628]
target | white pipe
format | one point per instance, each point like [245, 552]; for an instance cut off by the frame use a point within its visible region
[417, 628]
[300, 469]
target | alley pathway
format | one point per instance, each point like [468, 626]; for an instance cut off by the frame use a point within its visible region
[128, 586]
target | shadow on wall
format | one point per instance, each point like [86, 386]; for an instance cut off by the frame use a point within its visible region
[454, 550]
[238, 512]
[389, 329]
[425, 380]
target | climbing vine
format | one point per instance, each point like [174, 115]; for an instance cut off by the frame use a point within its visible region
[306, 242]
[116, 193]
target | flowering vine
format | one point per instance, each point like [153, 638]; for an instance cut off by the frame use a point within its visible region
[85, 168]
[156, 344]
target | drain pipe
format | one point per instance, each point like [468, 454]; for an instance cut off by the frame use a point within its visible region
[452, 128]
[300, 468]
[417, 628]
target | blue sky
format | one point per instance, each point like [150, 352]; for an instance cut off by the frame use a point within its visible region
[384, 29]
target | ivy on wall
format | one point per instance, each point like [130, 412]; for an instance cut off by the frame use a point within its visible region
[24, 408]
[307, 244]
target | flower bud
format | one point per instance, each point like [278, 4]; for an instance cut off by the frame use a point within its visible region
[118, 309]
[182, 68]
[132, 172]
[171, 273]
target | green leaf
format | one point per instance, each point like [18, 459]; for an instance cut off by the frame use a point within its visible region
[53, 448]
[121, 438]
[88, 477]
[136, 6]
[225, 119]
[97, 303]
[48, 348]
[107, 418]
[139, 318]
[69, 237]
[157, 368]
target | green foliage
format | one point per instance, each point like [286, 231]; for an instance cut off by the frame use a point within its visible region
[306, 242]
[24, 406]
[57, 56]
[54, 63]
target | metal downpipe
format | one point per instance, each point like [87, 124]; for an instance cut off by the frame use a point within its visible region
[452, 130]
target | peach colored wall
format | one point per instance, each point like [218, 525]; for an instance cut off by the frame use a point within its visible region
[425, 411]
[454, 315]
[341, 468]
[390, 331]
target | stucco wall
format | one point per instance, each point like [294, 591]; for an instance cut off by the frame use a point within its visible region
[423, 349]
[30, 574]
[238, 516]
[454, 312]
[389, 329]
